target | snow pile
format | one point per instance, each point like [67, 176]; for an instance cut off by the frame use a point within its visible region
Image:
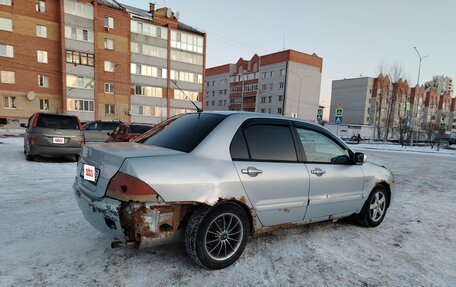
[47, 242]
[398, 148]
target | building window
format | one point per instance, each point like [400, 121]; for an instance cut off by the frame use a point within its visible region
[148, 91]
[220, 103]
[41, 31]
[73, 81]
[264, 87]
[78, 34]
[79, 9]
[186, 76]
[183, 95]
[186, 57]
[281, 85]
[213, 103]
[224, 102]
[9, 102]
[269, 110]
[263, 100]
[43, 81]
[207, 83]
[6, 51]
[279, 111]
[109, 22]
[213, 93]
[7, 77]
[80, 105]
[262, 110]
[186, 41]
[264, 74]
[149, 111]
[44, 105]
[149, 50]
[109, 66]
[271, 86]
[145, 70]
[109, 88]
[270, 99]
[42, 56]
[79, 58]
[109, 44]
[6, 24]
[40, 6]
[110, 109]
[271, 73]
[5, 2]
[282, 72]
[148, 29]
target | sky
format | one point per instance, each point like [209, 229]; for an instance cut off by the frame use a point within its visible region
[353, 36]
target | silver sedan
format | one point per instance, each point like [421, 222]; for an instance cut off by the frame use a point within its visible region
[215, 178]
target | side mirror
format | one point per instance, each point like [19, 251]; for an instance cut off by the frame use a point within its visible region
[360, 158]
[23, 125]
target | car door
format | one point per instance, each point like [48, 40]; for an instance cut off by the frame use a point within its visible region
[336, 183]
[274, 179]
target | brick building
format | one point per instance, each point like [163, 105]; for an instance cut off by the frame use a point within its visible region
[97, 60]
[284, 83]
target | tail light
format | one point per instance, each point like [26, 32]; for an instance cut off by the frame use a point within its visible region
[35, 120]
[32, 141]
[132, 137]
[125, 187]
[79, 124]
[83, 142]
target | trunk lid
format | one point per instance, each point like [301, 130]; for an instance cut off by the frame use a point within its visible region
[107, 158]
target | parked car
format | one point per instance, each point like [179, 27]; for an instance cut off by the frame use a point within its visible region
[128, 132]
[97, 131]
[52, 135]
[215, 178]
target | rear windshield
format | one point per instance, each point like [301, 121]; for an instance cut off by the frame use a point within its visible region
[139, 129]
[182, 132]
[57, 122]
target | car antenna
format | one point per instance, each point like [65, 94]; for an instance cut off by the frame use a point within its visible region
[199, 110]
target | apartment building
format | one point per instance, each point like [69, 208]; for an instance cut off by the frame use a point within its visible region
[284, 83]
[98, 60]
[392, 108]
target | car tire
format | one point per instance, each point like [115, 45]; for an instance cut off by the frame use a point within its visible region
[28, 156]
[215, 238]
[374, 209]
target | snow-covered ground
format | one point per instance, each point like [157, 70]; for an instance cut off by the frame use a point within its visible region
[450, 150]
[45, 241]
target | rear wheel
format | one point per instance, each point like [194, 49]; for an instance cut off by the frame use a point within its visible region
[28, 156]
[374, 210]
[215, 238]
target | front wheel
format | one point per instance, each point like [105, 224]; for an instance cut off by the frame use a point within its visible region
[215, 238]
[374, 210]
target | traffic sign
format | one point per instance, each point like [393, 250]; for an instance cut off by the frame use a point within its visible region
[319, 118]
[338, 120]
[339, 112]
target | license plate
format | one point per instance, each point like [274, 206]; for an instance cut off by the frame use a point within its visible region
[89, 172]
[58, 140]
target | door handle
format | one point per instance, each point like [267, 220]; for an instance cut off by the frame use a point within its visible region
[317, 171]
[252, 171]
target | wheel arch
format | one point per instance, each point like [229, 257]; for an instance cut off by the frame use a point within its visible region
[388, 191]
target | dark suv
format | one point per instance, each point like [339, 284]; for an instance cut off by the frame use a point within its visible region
[53, 135]
[97, 131]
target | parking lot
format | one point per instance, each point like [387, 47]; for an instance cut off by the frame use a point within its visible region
[47, 242]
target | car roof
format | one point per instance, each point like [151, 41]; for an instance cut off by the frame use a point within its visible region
[257, 115]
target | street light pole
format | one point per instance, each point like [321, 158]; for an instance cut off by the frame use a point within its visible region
[417, 96]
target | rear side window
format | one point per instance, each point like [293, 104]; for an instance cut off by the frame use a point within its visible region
[182, 132]
[270, 143]
[109, 126]
[238, 147]
[57, 122]
[138, 129]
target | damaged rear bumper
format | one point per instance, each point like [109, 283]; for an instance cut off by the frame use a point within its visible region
[144, 224]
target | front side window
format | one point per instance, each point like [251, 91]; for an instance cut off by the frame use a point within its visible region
[270, 143]
[319, 148]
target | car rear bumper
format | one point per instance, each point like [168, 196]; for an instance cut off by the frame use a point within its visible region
[102, 213]
[53, 150]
